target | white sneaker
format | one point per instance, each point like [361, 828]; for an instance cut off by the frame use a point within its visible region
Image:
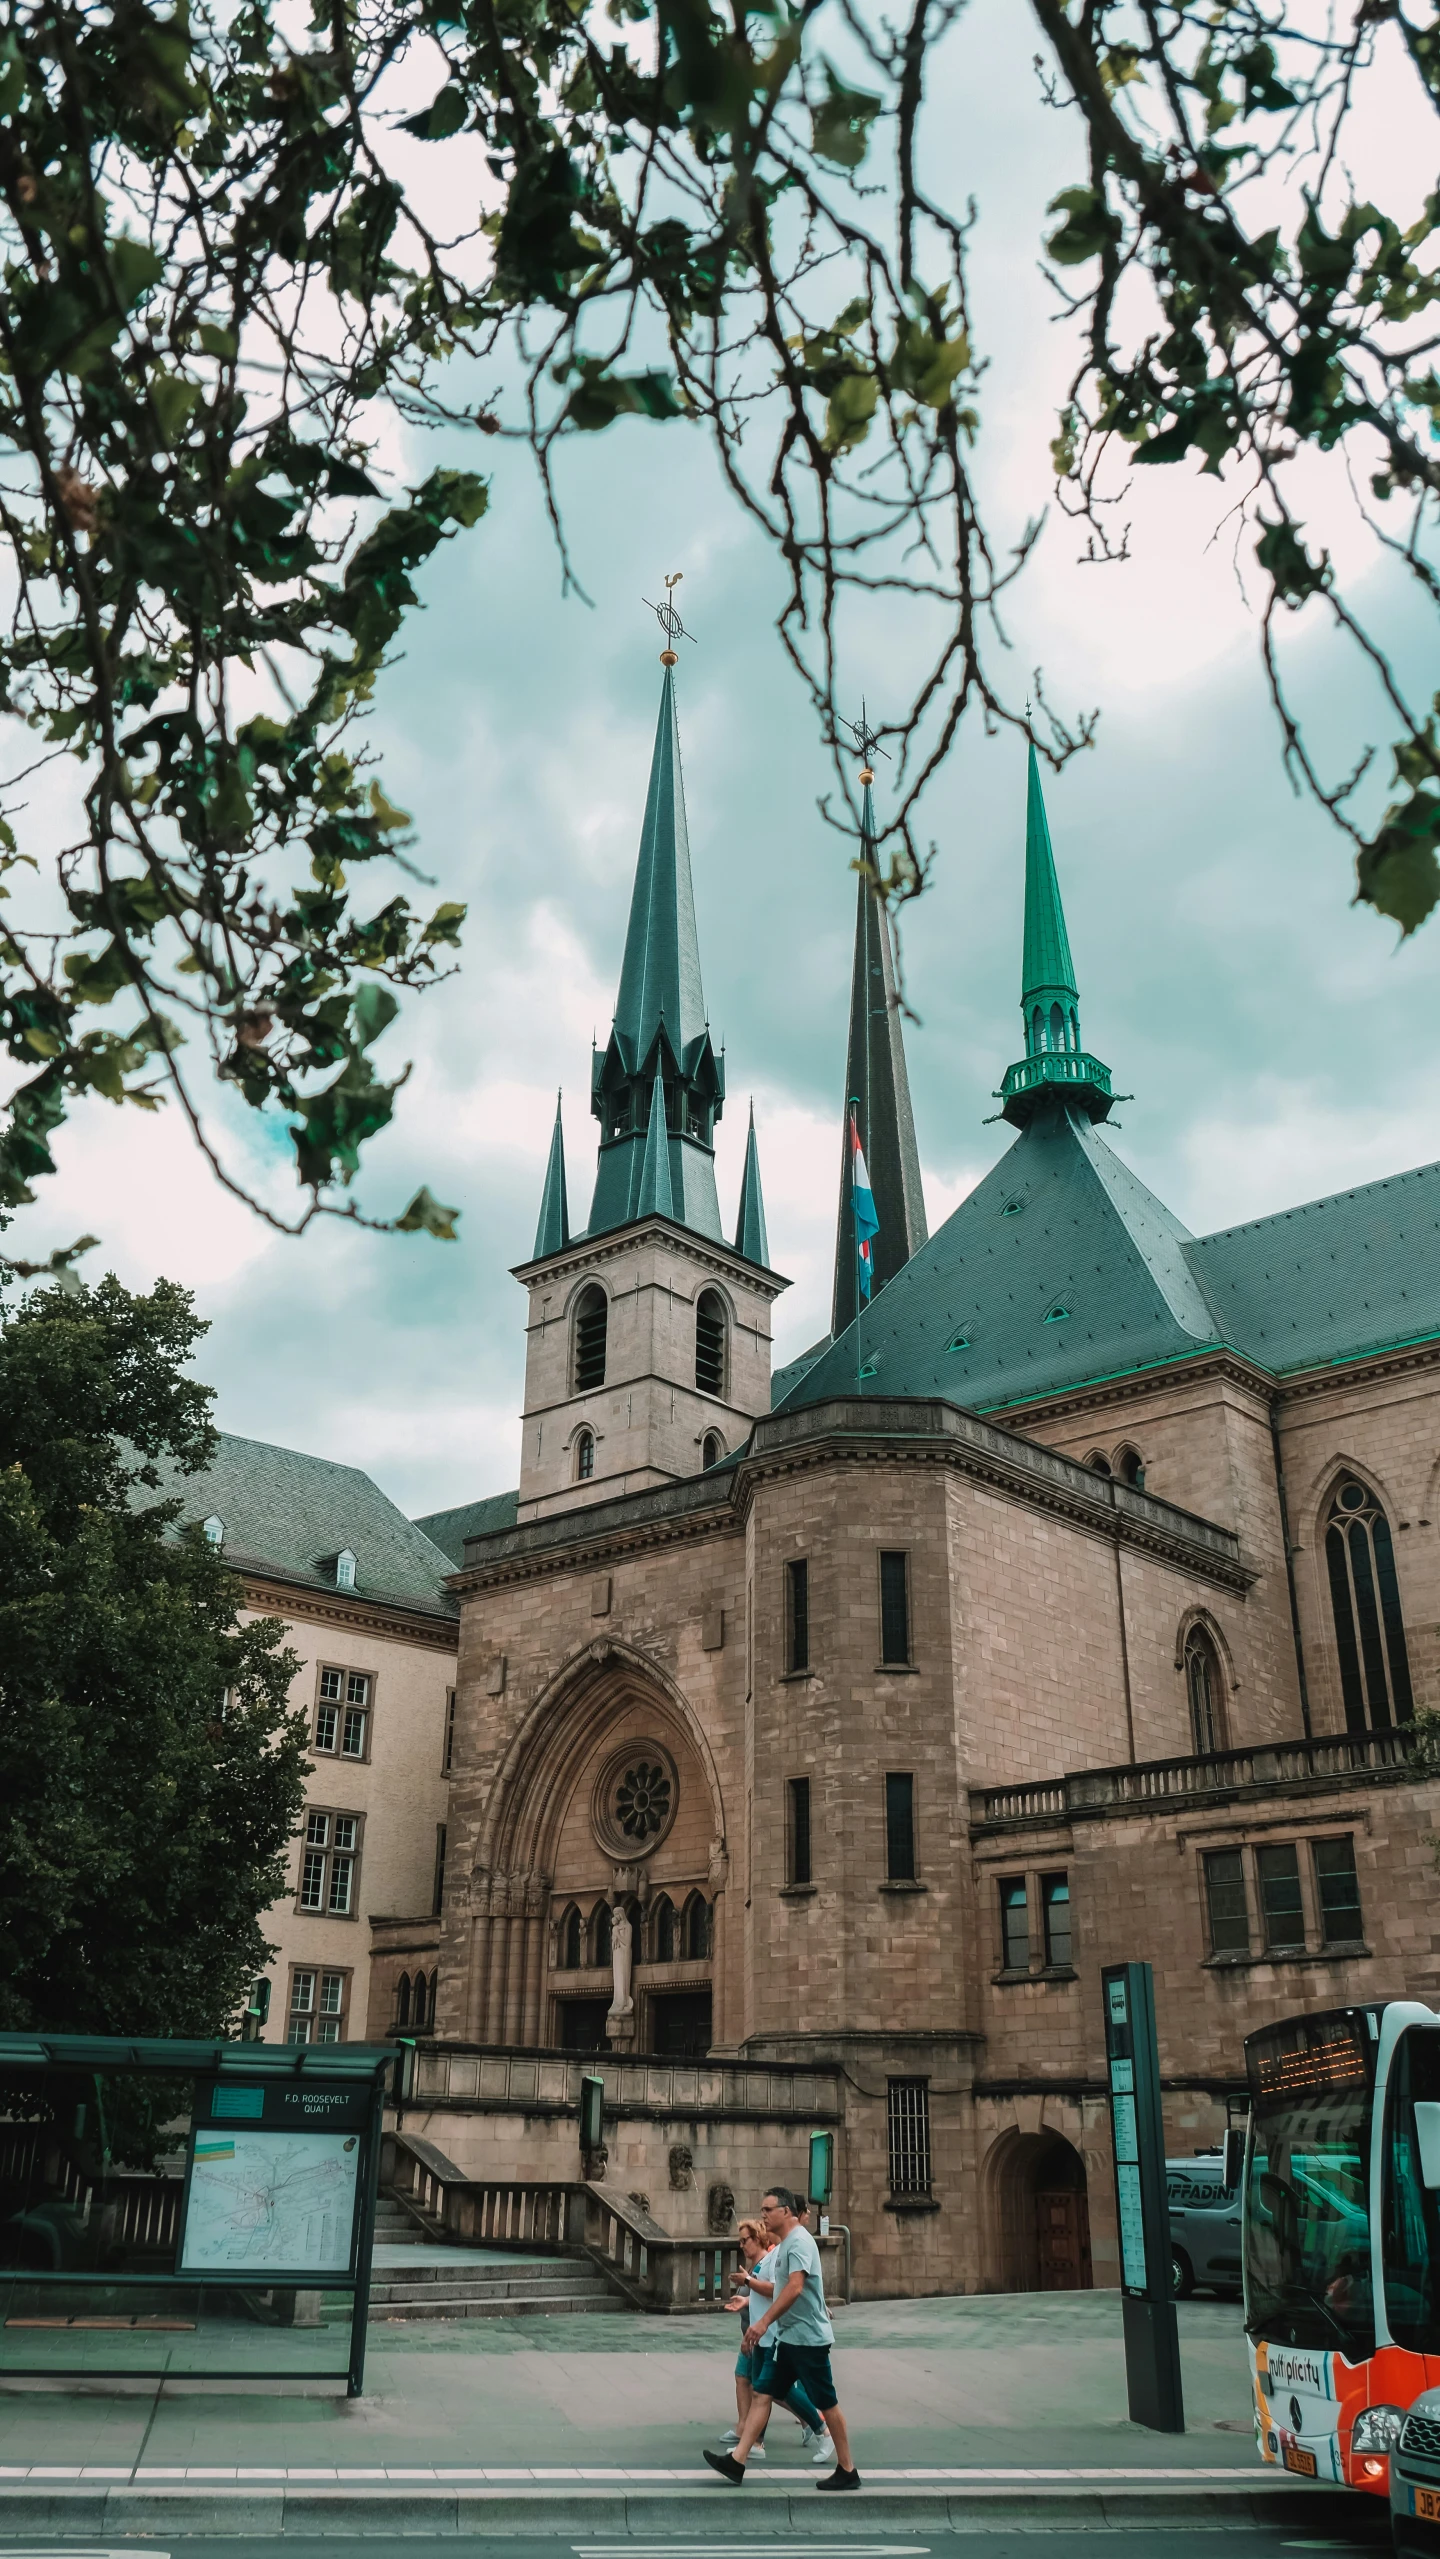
[757, 2451]
[825, 2453]
[730, 2438]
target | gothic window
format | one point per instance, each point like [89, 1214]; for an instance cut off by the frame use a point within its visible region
[1130, 1468]
[1098, 1464]
[584, 1457]
[572, 1941]
[1205, 1689]
[602, 1933]
[711, 1450]
[662, 1931]
[1365, 1598]
[592, 1318]
[710, 1343]
[1037, 1030]
[1074, 1030]
[697, 1928]
[402, 2001]
[1057, 1027]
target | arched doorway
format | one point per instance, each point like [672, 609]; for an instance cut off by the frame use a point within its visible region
[1042, 2214]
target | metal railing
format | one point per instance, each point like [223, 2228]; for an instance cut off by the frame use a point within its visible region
[1329, 1758]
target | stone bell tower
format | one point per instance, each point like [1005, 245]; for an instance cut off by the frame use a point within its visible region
[648, 1337]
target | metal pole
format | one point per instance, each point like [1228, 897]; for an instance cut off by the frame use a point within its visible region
[364, 2245]
[1152, 2336]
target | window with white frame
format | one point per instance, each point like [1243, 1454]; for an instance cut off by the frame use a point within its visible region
[342, 1713]
[329, 1864]
[319, 2005]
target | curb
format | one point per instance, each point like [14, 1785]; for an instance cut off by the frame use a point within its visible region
[292, 2512]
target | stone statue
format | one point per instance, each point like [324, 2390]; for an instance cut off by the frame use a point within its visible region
[622, 1937]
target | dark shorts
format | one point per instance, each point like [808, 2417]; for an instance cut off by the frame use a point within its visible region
[810, 2366]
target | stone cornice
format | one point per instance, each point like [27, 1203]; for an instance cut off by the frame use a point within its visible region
[1368, 1370]
[861, 1431]
[270, 1595]
[587, 1250]
[1104, 1394]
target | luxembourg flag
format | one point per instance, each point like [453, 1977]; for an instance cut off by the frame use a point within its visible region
[862, 1199]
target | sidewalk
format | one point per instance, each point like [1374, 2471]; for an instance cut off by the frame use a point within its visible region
[1001, 2399]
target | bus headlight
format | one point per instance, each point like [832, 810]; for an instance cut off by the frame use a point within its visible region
[1377, 2430]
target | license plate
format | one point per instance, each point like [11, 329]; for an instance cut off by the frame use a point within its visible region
[1425, 2503]
[1296, 2459]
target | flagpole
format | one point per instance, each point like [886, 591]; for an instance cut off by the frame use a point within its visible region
[855, 1243]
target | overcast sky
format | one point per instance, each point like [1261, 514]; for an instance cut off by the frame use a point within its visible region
[1276, 1043]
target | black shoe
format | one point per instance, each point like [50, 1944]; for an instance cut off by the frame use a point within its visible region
[838, 2479]
[734, 2471]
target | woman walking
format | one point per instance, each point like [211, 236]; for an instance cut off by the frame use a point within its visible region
[755, 2371]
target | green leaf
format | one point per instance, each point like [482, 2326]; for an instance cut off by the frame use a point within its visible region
[840, 125]
[1089, 226]
[851, 408]
[134, 268]
[372, 1009]
[173, 397]
[425, 1216]
[1398, 873]
[444, 925]
[1281, 552]
[221, 342]
[600, 397]
[388, 818]
[445, 115]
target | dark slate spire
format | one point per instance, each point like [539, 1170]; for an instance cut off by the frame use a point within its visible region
[553, 1232]
[660, 1040]
[655, 1197]
[1055, 1067]
[876, 1082]
[750, 1236]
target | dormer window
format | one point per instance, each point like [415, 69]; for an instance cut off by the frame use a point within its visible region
[344, 1570]
[214, 1531]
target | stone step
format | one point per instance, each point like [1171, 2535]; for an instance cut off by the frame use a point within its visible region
[491, 2306]
[462, 2287]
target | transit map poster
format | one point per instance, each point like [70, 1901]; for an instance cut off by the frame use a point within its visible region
[268, 2202]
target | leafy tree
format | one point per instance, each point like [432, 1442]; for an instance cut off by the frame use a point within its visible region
[235, 270]
[150, 1769]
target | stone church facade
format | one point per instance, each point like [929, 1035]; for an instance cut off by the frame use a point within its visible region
[1067, 1603]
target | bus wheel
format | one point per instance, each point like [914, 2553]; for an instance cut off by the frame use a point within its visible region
[1182, 2282]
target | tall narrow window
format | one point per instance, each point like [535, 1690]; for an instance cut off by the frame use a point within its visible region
[354, 1732]
[712, 1449]
[439, 1900]
[1014, 1924]
[797, 1840]
[592, 1318]
[1337, 1889]
[907, 2111]
[1202, 1687]
[797, 1615]
[1227, 1908]
[448, 1761]
[1365, 1598]
[572, 1941]
[1278, 1870]
[697, 1928]
[329, 1864]
[584, 1457]
[1055, 1912]
[900, 1828]
[603, 1934]
[894, 1608]
[710, 1343]
[662, 1930]
[402, 2000]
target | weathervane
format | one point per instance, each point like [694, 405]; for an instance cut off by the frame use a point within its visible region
[867, 744]
[669, 621]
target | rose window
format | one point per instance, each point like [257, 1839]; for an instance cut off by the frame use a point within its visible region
[642, 1799]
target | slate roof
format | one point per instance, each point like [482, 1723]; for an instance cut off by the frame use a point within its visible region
[293, 1514]
[1061, 1268]
[449, 1529]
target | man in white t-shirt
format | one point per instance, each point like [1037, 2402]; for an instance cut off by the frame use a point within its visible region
[799, 2318]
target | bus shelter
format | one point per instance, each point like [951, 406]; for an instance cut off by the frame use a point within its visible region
[186, 2209]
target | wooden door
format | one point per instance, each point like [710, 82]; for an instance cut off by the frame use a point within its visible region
[1062, 2229]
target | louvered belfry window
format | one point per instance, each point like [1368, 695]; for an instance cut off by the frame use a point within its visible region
[710, 1344]
[1365, 1598]
[592, 1319]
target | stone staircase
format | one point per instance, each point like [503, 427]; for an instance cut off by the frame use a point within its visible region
[460, 2283]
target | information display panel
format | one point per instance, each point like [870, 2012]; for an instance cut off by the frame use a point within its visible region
[273, 2183]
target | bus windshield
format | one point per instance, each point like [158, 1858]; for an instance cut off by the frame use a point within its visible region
[1410, 2244]
[1307, 2236]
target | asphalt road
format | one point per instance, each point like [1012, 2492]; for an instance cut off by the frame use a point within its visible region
[1365, 2538]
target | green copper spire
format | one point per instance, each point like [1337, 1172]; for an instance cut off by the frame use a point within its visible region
[553, 1232]
[878, 1085]
[660, 1031]
[656, 1199]
[750, 1236]
[1055, 1067]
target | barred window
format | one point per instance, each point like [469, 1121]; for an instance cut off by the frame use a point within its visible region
[1055, 1911]
[894, 1608]
[1278, 1872]
[1337, 1889]
[899, 1828]
[797, 1615]
[908, 2123]
[1014, 1924]
[1226, 1902]
[797, 1841]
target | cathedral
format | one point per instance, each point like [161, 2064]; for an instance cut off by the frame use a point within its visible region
[817, 1734]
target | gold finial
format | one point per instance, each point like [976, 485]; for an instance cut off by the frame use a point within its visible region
[669, 620]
